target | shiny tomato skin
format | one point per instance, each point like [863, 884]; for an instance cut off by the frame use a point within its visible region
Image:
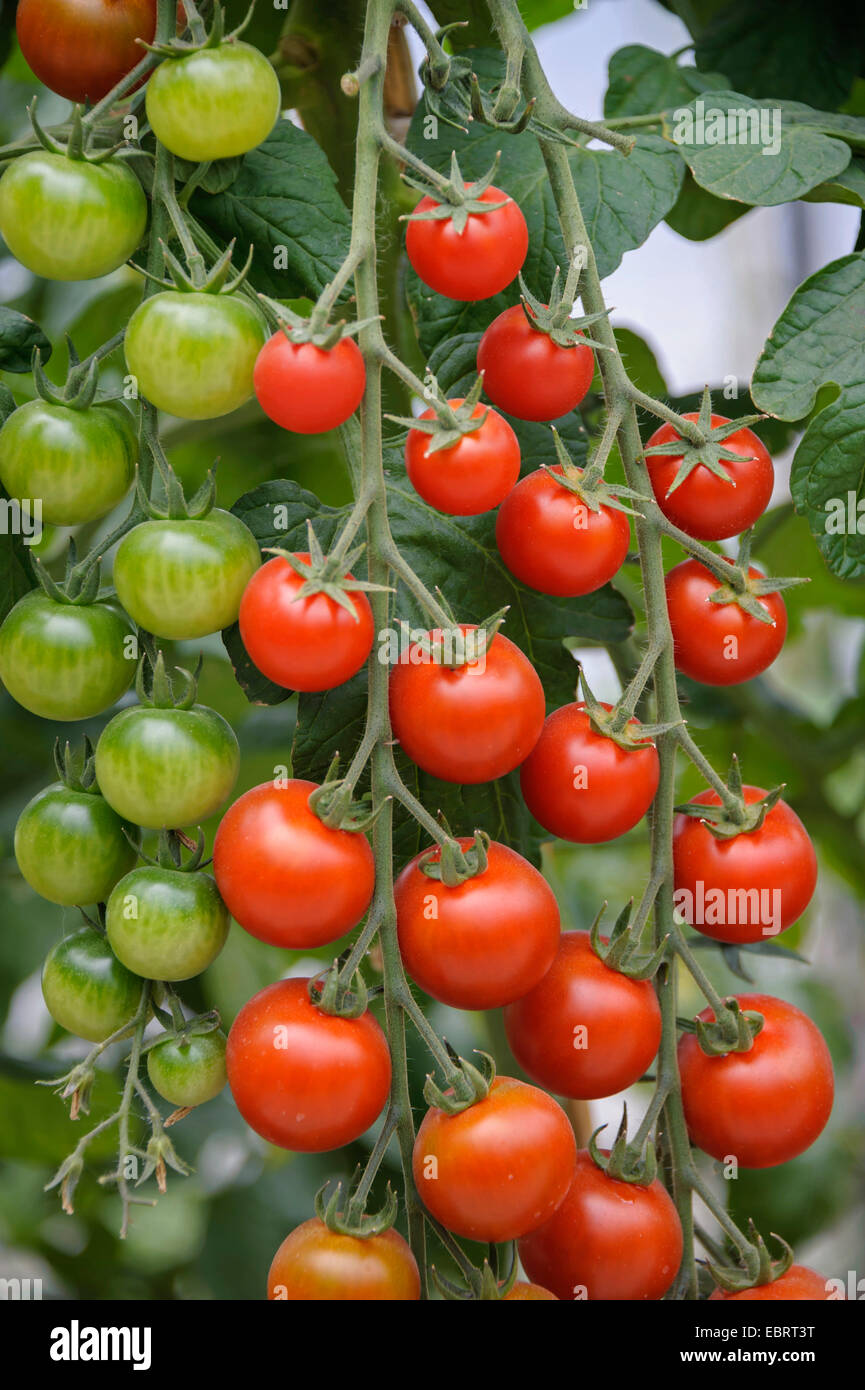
[477, 262]
[184, 578]
[303, 1079]
[521, 1292]
[799, 1282]
[167, 767]
[71, 847]
[311, 643]
[66, 661]
[470, 723]
[483, 943]
[314, 1264]
[617, 784]
[65, 219]
[473, 475]
[193, 354]
[81, 463]
[779, 856]
[190, 1072]
[308, 389]
[720, 644]
[86, 989]
[704, 505]
[284, 876]
[614, 1240]
[500, 1168]
[526, 374]
[166, 924]
[764, 1106]
[621, 1018]
[215, 102]
[552, 542]
[81, 49]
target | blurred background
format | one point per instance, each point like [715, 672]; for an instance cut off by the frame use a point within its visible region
[697, 312]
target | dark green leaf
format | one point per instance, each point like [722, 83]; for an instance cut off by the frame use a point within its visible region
[18, 337]
[643, 81]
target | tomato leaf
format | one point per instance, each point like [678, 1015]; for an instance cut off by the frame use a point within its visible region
[284, 202]
[19, 335]
[816, 342]
[643, 81]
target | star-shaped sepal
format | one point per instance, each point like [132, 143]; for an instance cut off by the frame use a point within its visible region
[706, 447]
[455, 198]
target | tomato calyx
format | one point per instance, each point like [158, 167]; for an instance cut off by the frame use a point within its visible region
[76, 769]
[77, 147]
[317, 328]
[195, 278]
[79, 390]
[623, 951]
[343, 1209]
[161, 691]
[464, 1084]
[169, 852]
[79, 586]
[734, 815]
[704, 447]
[618, 722]
[327, 574]
[757, 1266]
[461, 644]
[555, 318]
[491, 1283]
[732, 1030]
[453, 419]
[332, 994]
[202, 38]
[451, 864]
[633, 1161]
[176, 507]
[588, 483]
[455, 198]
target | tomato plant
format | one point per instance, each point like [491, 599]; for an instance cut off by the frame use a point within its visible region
[551, 541]
[185, 578]
[309, 389]
[322, 1086]
[499, 1169]
[79, 462]
[766, 1105]
[314, 1264]
[470, 262]
[286, 876]
[582, 785]
[303, 642]
[471, 476]
[584, 1030]
[607, 1240]
[81, 49]
[720, 643]
[482, 942]
[469, 722]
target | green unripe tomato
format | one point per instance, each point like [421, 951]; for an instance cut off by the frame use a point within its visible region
[191, 1072]
[67, 219]
[66, 660]
[167, 768]
[70, 846]
[165, 924]
[86, 989]
[79, 463]
[193, 354]
[185, 579]
[215, 103]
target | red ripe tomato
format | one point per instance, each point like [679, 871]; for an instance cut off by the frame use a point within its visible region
[483, 943]
[764, 1106]
[500, 1168]
[704, 505]
[83, 48]
[799, 1282]
[719, 643]
[608, 1240]
[529, 1293]
[550, 540]
[312, 643]
[304, 1079]
[315, 1264]
[469, 723]
[749, 887]
[527, 374]
[477, 262]
[473, 475]
[286, 877]
[308, 389]
[581, 785]
[585, 1030]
